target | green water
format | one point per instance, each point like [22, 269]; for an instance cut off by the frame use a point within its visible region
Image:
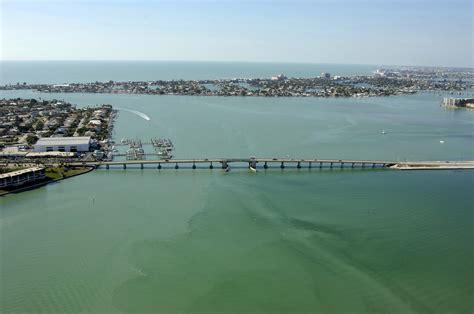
[292, 241]
[194, 241]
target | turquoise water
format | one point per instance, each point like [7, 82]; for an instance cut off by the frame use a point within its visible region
[292, 241]
[12, 72]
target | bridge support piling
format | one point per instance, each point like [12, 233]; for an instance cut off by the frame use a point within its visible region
[141, 166]
[363, 165]
[320, 164]
[211, 166]
[159, 166]
[282, 166]
[107, 167]
[298, 165]
[309, 165]
[124, 166]
[194, 165]
[224, 164]
[342, 165]
[373, 165]
[352, 166]
[265, 166]
[176, 166]
[331, 165]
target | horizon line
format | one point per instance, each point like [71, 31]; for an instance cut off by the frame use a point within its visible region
[228, 61]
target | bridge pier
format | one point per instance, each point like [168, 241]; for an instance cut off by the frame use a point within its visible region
[267, 163]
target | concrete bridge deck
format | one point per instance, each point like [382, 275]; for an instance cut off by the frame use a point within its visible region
[283, 162]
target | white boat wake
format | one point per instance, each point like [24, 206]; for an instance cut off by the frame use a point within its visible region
[138, 113]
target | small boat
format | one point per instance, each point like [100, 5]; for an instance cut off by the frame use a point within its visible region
[227, 169]
[442, 142]
[383, 132]
[253, 164]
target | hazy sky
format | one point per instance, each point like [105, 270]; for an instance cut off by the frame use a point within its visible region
[403, 32]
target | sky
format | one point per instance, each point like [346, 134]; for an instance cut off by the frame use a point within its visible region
[388, 32]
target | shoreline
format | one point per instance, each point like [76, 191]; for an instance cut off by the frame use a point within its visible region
[382, 83]
[45, 182]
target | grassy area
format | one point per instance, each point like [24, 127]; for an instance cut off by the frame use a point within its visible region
[63, 173]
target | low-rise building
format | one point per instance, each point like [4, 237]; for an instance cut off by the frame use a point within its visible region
[20, 177]
[458, 102]
[63, 144]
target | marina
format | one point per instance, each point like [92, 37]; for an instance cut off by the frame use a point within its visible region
[163, 149]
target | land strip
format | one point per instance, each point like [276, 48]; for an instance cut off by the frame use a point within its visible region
[384, 82]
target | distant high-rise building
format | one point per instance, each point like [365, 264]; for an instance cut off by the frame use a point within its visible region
[326, 75]
[279, 77]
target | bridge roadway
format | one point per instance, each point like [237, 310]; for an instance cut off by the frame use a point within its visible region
[283, 162]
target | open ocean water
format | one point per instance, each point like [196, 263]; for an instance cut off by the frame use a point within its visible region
[204, 241]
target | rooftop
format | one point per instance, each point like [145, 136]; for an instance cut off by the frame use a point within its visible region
[55, 141]
[18, 172]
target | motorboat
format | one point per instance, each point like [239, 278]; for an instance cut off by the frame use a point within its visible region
[252, 164]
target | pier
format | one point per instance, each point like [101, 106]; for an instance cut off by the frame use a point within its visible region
[282, 163]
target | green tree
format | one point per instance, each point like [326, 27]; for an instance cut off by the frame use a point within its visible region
[81, 131]
[39, 126]
[31, 139]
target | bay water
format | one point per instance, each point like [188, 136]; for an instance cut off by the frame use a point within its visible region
[276, 241]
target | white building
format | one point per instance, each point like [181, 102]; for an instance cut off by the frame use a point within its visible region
[279, 77]
[63, 144]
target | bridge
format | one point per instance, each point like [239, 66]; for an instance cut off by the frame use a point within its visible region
[282, 163]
